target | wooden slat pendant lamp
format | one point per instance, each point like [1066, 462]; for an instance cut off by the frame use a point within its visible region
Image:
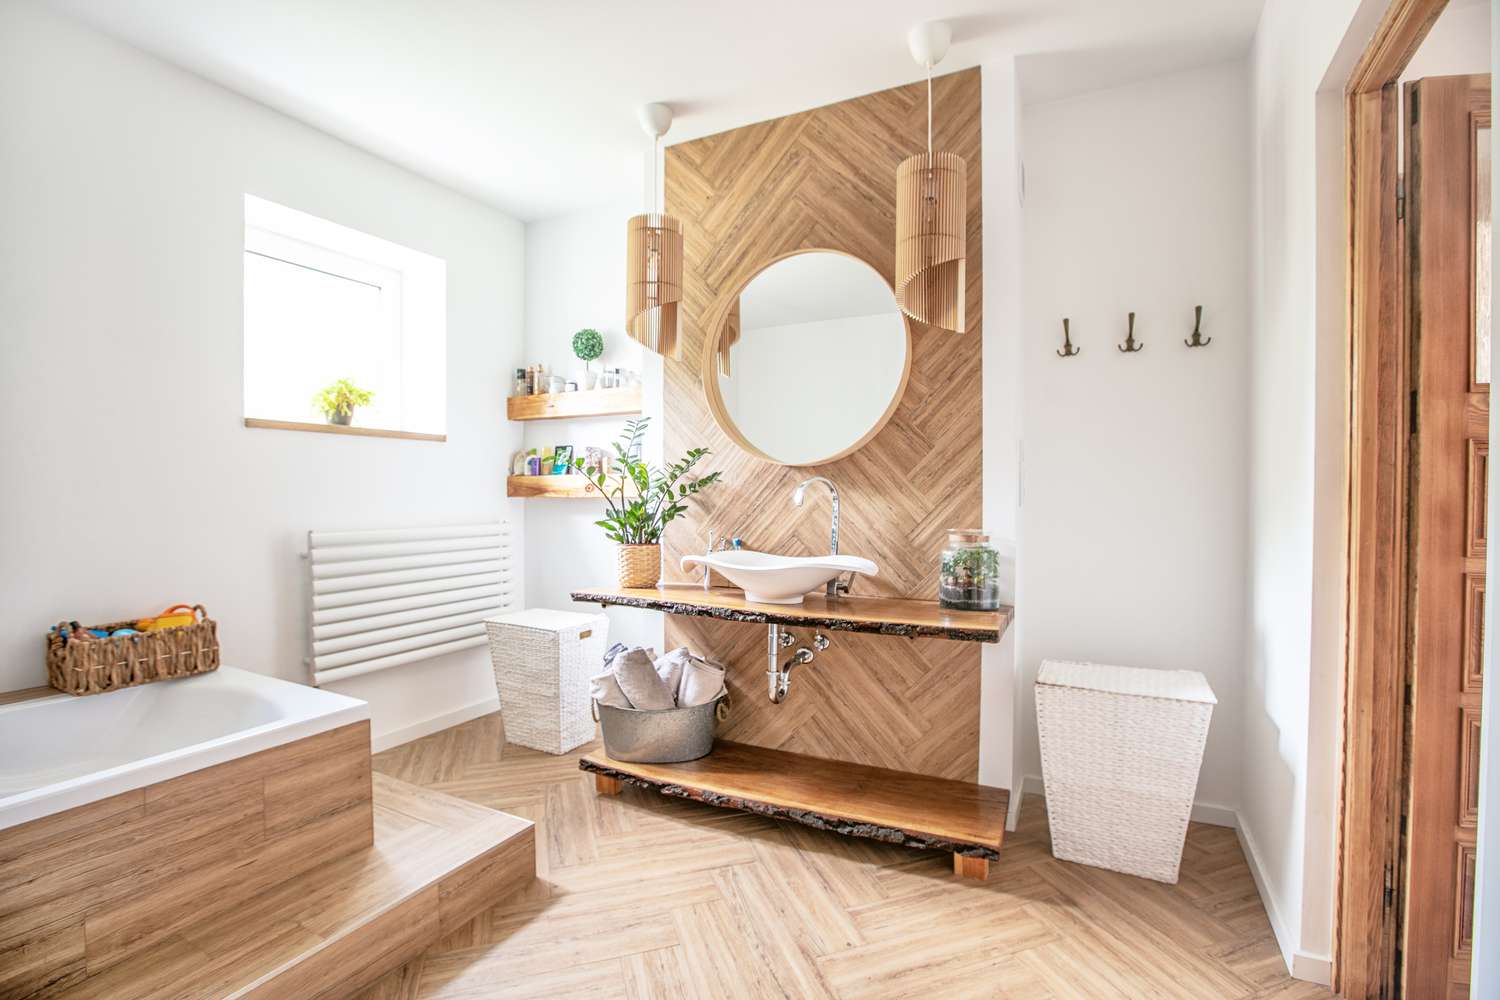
[931, 211]
[729, 337]
[653, 257]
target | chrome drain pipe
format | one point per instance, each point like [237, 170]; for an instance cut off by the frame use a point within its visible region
[779, 676]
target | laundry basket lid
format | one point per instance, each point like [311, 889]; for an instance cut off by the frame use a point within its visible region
[546, 620]
[1177, 685]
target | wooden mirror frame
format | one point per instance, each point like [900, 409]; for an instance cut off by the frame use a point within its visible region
[710, 374]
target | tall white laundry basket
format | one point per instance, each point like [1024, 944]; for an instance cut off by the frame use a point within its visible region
[543, 661]
[1121, 749]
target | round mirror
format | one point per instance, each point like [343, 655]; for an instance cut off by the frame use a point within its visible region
[809, 360]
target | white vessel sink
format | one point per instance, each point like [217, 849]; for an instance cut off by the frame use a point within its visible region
[770, 579]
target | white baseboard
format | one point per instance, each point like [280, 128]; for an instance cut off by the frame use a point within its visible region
[1300, 964]
[426, 727]
[1203, 812]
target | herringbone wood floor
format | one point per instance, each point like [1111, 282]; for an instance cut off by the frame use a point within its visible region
[643, 896]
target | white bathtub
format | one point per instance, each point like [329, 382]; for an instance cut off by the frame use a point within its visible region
[60, 752]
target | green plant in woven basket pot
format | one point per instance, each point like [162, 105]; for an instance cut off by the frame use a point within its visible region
[642, 501]
[337, 402]
[588, 345]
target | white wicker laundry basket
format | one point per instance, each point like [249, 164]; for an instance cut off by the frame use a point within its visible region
[1121, 748]
[543, 660]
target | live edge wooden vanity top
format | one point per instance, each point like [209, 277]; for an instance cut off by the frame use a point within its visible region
[879, 615]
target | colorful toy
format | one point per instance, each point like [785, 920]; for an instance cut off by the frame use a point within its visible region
[176, 615]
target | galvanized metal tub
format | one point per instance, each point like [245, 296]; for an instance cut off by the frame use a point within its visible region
[661, 736]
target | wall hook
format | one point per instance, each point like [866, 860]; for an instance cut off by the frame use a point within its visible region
[1130, 346]
[1068, 350]
[1198, 339]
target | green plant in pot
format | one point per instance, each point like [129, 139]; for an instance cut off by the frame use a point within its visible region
[337, 401]
[643, 501]
[588, 345]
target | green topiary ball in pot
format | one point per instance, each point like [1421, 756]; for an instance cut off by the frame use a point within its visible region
[588, 345]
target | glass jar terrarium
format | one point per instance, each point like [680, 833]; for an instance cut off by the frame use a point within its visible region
[969, 574]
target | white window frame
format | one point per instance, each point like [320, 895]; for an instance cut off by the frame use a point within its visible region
[413, 291]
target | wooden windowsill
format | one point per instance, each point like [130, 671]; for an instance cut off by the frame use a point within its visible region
[293, 425]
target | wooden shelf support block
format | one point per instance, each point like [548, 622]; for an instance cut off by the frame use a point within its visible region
[605, 785]
[967, 867]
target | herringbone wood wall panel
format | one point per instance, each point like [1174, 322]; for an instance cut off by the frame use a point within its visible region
[827, 179]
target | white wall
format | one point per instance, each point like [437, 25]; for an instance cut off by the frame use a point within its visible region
[131, 483]
[1459, 42]
[575, 273]
[1000, 166]
[1299, 62]
[1133, 517]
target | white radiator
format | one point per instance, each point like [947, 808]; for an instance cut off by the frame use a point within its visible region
[381, 599]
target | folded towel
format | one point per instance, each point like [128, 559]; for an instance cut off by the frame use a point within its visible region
[669, 667]
[702, 682]
[640, 682]
[605, 689]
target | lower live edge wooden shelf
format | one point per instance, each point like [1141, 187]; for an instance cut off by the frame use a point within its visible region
[896, 807]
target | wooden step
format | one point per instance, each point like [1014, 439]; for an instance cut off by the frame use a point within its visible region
[437, 862]
[894, 806]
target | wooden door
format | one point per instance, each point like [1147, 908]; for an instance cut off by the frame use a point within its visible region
[1448, 201]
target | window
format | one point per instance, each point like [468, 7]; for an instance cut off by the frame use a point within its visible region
[324, 302]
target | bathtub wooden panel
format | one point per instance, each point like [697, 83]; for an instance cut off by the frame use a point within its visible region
[436, 863]
[88, 887]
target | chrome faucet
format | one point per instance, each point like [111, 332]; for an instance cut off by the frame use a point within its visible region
[729, 541]
[834, 586]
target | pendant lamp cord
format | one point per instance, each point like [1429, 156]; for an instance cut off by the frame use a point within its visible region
[929, 112]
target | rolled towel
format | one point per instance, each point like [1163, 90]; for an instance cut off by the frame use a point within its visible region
[617, 650]
[605, 689]
[669, 667]
[702, 682]
[640, 682]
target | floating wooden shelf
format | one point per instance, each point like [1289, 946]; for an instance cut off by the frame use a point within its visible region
[879, 615]
[576, 487]
[560, 405]
[854, 799]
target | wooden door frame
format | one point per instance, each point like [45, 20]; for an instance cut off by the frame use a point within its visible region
[1375, 637]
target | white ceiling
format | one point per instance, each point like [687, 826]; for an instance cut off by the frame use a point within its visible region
[529, 105]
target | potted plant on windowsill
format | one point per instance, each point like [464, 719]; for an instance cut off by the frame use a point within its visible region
[337, 401]
[642, 502]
